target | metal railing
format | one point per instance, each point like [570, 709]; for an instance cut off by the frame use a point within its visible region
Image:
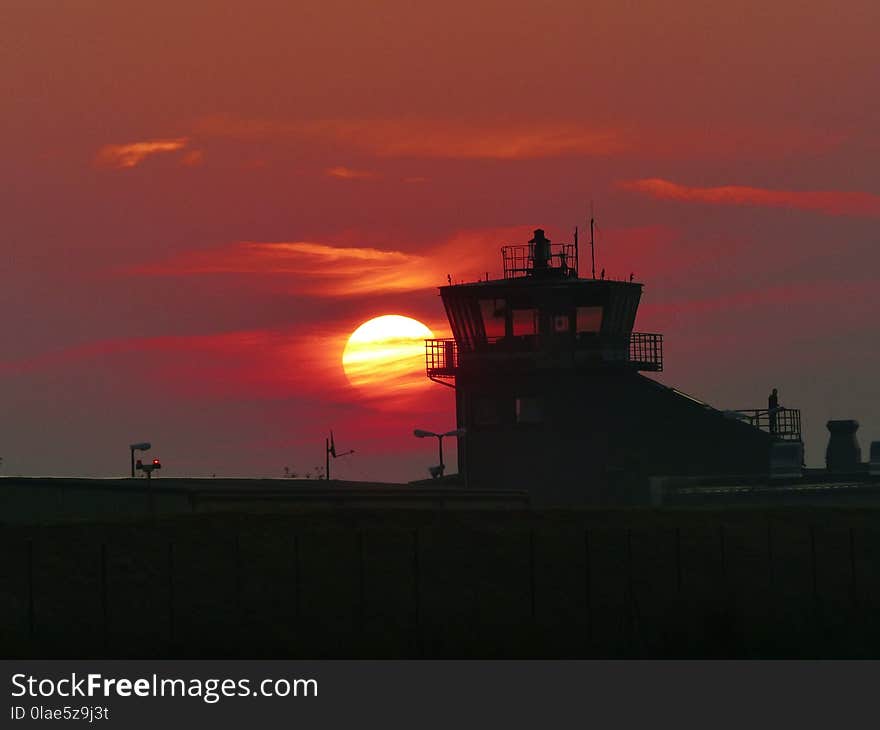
[441, 360]
[784, 424]
[646, 351]
[639, 350]
[519, 259]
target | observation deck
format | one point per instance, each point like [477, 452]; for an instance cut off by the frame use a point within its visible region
[557, 259]
[784, 424]
[445, 358]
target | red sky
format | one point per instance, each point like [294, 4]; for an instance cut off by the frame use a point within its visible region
[200, 199]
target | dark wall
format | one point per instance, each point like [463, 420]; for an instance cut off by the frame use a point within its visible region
[587, 583]
[603, 436]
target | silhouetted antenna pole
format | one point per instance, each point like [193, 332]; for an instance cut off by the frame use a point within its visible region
[330, 450]
[593, 244]
[577, 268]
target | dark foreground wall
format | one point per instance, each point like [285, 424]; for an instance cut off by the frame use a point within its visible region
[748, 583]
[600, 439]
[46, 500]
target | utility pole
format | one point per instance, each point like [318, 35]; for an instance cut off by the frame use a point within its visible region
[593, 245]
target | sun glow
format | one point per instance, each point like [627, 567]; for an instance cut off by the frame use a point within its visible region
[387, 354]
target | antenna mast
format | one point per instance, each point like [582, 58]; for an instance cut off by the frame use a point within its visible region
[330, 450]
[577, 268]
[592, 242]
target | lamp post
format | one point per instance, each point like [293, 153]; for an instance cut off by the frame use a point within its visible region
[143, 446]
[419, 433]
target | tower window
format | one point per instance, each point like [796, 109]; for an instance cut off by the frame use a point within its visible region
[525, 322]
[589, 319]
[494, 317]
[529, 409]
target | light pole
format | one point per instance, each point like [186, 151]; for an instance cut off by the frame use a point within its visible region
[143, 446]
[419, 433]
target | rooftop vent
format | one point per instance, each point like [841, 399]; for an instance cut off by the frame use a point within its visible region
[843, 452]
[541, 255]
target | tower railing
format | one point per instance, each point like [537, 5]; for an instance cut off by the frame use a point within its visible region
[638, 350]
[441, 360]
[784, 424]
[519, 260]
[646, 350]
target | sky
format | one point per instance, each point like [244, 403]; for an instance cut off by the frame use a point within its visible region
[201, 200]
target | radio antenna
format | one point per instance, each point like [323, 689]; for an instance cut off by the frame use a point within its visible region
[330, 450]
[592, 239]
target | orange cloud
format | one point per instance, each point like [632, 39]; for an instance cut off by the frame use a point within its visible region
[430, 138]
[321, 269]
[122, 156]
[270, 364]
[830, 202]
[346, 173]
[193, 158]
[314, 268]
[522, 140]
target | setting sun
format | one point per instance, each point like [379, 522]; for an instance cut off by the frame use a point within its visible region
[387, 352]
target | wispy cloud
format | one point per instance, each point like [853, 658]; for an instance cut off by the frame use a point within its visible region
[259, 361]
[121, 156]
[254, 364]
[313, 268]
[325, 269]
[347, 173]
[522, 140]
[193, 158]
[429, 138]
[830, 202]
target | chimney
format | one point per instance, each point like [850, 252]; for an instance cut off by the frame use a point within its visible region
[843, 453]
[541, 255]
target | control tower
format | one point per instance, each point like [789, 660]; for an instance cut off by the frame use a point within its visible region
[547, 372]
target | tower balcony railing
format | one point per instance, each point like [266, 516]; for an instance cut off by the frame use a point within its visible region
[637, 350]
[519, 260]
[784, 424]
[646, 349]
[441, 360]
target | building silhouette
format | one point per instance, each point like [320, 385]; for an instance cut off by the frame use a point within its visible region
[547, 370]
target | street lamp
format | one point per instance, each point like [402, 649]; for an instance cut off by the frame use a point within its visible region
[143, 446]
[419, 433]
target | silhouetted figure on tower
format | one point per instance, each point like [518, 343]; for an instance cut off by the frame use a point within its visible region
[772, 408]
